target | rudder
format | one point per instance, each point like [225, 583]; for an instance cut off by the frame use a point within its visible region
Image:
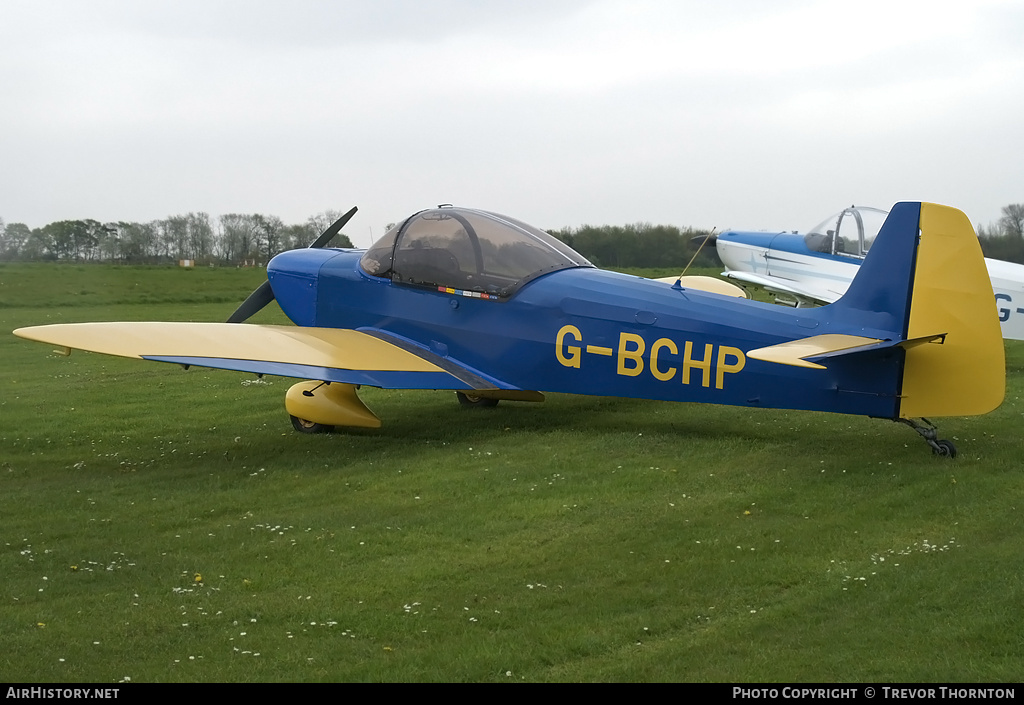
[952, 295]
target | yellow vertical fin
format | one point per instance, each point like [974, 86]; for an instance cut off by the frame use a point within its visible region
[966, 373]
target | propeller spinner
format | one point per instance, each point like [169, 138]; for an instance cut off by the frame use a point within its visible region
[264, 294]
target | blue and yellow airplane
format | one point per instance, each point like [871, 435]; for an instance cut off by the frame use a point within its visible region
[492, 308]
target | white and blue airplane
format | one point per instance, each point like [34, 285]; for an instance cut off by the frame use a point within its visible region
[816, 267]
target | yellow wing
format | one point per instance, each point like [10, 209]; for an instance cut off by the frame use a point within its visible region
[329, 354]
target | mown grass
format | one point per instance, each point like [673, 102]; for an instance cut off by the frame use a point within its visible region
[165, 525]
[66, 285]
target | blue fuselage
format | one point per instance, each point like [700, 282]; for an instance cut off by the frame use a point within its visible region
[590, 331]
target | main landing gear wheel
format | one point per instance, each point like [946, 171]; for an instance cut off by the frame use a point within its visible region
[304, 426]
[944, 449]
[473, 401]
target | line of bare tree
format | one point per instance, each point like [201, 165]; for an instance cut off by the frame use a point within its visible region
[230, 239]
[1004, 239]
[237, 238]
[253, 238]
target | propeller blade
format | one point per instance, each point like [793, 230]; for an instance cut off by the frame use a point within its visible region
[335, 228]
[710, 239]
[263, 294]
[259, 298]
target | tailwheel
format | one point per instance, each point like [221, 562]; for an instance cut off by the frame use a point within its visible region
[304, 426]
[474, 401]
[930, 433]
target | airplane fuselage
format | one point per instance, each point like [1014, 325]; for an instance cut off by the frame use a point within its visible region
[590, 331]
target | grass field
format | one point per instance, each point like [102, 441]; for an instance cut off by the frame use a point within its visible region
[163, 525]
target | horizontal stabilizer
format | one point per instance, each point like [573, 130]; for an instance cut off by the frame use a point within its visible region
[797, 352]
[808, 352]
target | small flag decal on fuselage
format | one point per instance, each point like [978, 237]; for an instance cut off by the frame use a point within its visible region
[462, 292]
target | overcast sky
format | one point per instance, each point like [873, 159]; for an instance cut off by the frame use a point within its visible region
[742, 114]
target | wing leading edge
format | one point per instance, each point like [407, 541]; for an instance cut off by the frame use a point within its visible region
[327, 354]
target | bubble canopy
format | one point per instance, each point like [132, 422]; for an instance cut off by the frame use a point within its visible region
[849, 232]
[471, 250]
